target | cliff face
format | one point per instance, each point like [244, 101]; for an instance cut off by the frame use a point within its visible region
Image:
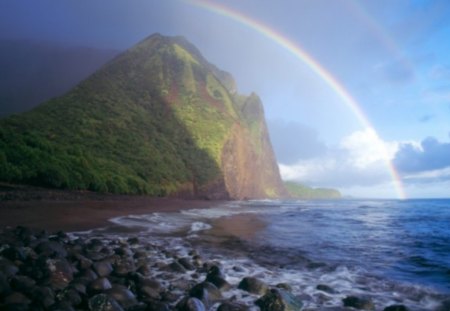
[158, 119]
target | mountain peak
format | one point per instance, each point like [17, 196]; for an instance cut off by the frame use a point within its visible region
[158, 119]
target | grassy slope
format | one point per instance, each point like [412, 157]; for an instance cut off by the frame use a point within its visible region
[304, 192]
[120, 131]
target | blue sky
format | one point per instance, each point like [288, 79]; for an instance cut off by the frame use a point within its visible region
[393, 57]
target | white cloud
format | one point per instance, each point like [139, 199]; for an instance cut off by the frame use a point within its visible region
[360, 161]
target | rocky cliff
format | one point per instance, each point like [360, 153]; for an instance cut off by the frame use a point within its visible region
[158, 119]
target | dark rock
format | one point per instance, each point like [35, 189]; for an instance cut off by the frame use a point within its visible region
[124, 266]
[79, 287]
[216, 277]
[103, 302]
[61, 306]
[186, 263]
[358, 303]
[176, 267]
[158, 306]
[279, 300]
[103, 268]
[207, 292]
[325, 288]
[22, 283]
[133, 241]
[17, 307]
[16, 298]
[122, 295]
[70, 296]
[99, 285]
[445, 306]
[284, 286]
[144, 270]
[88, 275]
[4, 285]
[60, 273]
[51, 249]
[232, 306]
[8, 268]
[44, 296]
[253, 285]
[190, 304]
[83, 262]
[397, 308]
[15, 253]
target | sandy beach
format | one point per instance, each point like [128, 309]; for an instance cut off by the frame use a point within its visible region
[55, 210]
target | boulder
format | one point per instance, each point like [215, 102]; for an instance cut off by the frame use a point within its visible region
[253, 285]
[358, 303]
[279, 300]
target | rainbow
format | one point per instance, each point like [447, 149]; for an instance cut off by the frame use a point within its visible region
[307, 59]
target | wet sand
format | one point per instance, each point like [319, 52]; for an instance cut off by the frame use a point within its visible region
[86, 213]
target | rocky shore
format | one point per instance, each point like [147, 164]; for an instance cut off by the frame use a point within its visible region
[60, 271]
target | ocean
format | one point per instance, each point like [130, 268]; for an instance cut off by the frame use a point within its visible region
[392, 251]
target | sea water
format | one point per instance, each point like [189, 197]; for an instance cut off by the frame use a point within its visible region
[393, 251]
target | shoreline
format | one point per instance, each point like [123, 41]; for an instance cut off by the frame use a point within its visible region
[55, 210]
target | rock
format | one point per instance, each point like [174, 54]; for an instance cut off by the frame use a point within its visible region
[103, 268]
[8, 268]
[358, 303]
[396, 308]
[83, 262]
[51, 249]
[122, 295]
[17, 307]
[186, 263]
[325, 288]
[190, 304]
[284, 286]
[16, 298]
[207, 292]
[253, 285]
[149, 288]
[99, 285]
[103, 302]
[124, 266]
[176, 267]
[133, 241]
[71, 296]
[158, 306]
[232, 306]
[445, 306]
[61, 306]
[44, 296]
[279, 300]
[216, 277]
[15, 253]
[4, 285]
[60, 273]
[22, 283]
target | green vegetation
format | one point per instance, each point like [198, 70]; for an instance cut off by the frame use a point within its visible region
[299, 191]
[152, 121]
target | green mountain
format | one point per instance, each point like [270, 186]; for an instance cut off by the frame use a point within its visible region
[158, 119]
[299, 191]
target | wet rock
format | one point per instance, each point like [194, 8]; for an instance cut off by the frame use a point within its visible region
[51, 249]
[133, 241]
[16, 298]
[216, 277]
[22, 283]
[358, 303]
[396, 308]
[103, 302]
[207, 292]
[186, 263]
[445, 306]
[60, 273]
[44, 296]
[232, 306]
[158, 306]
[149, 288]
[4, 285]
[190, 304]
[83, 262]
[176, 267]
[17, 307]
[103, 268]
[325, 288]
[99, 285]
[8, 268]
[122, 295]
[284, 286]
[144, 269]
[70, 296]
[15, 253]
[124, 266]
[253, 285]
[279, 300]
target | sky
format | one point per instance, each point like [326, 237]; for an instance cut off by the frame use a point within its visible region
[366, 107]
